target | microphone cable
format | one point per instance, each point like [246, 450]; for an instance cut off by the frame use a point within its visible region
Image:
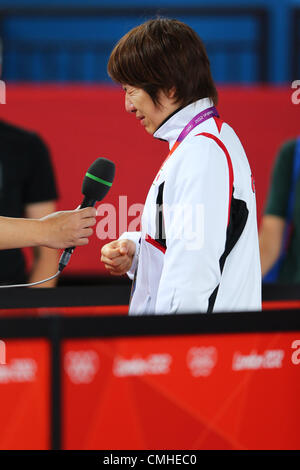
[64, 259]
[31, 284]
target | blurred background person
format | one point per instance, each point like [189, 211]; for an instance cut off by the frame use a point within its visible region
[27, 189]
[279, 234]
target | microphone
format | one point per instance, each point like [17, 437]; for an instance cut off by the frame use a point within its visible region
[96, 184]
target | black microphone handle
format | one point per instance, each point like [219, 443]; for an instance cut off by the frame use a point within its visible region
[87, 202]
[65, 257]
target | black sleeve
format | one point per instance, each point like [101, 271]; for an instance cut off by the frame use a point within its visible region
[277, 202]
[40, 181]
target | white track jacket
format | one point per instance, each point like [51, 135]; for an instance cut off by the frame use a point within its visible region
[198, 249]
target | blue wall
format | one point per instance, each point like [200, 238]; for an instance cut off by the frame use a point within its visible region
[82, 66]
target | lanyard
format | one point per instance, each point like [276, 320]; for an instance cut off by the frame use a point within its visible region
[198, 119]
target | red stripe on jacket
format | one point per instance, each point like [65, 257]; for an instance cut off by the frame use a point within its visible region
[230, 168]
[155, 243]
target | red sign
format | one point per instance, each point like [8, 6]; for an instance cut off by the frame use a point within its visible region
[233, 391]
[24, 395]
[81, 123]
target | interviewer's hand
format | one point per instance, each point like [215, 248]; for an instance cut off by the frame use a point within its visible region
[67, 228]
[117, 256]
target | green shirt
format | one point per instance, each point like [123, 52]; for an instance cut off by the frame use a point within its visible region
[277, 204]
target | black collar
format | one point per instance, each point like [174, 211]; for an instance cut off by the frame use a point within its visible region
[165, 120]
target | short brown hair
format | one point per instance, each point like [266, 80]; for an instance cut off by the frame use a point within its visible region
[161, 54]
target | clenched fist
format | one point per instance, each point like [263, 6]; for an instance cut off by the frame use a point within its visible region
[117, 256]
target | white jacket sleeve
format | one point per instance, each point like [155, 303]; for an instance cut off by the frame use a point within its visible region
[135, 237]
[196, 204]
